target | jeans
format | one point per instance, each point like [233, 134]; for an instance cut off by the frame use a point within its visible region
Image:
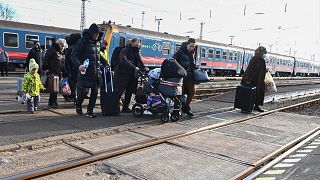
[33, 103]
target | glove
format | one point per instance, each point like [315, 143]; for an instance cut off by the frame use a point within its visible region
[137, 73]
[146, 69]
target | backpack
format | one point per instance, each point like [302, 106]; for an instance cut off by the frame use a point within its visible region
[170, 68]
[115, 58]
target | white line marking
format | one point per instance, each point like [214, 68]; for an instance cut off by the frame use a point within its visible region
[281, 165]
[311, 147]
[217, 118]
[315, 143]
[274, 172]
[291, 160]
[305, 151]
[298, 155]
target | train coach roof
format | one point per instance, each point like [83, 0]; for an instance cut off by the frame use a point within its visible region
[35, 27]
[148, 33]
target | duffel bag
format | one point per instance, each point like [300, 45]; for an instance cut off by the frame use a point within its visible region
[200, 76]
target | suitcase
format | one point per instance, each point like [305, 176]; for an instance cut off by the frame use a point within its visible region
[53, 84]
[19, 85]
[109, 97]
[245, 97]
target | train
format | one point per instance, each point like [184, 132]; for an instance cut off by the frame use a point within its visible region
[218, 59]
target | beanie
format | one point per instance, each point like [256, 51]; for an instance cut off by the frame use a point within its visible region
[33, 65]
[94, 28]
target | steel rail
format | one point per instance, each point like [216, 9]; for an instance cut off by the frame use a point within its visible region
[112, 153]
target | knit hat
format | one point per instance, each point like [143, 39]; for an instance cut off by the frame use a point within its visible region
[94, 28]
[33, 65]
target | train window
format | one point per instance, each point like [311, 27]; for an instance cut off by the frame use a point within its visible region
[235, 56]
[224, 55]
[30, 39]
[218, 54]
[210, 53]
[122, 41]
[10, 40]
[49, 41]
[177, 47]
[165, 48]
[230, 56]
[203, 52]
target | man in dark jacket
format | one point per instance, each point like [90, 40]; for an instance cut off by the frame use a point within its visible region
[255, 74]
[130, 62]
[4, 61]
[88, 47]
[185, 57]
[36, 54]
[72, 71]
[54, 64]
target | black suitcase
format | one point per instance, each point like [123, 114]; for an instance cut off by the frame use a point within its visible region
[245, 97]
[109, 98]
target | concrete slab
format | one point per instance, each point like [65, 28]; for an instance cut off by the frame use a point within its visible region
[108, 142]
[164, 130]
[22, 161]
[230, 115]
[170, 162]
[228, 146]
[97, 171]
[260, 134]
[299, 124]
[200, 122]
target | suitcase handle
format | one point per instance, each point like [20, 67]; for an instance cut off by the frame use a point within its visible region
[105, 79]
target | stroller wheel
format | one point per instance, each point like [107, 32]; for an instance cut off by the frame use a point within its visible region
[165, 117]
[137, 110]
[176, 116]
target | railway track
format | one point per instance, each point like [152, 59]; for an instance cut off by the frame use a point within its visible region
[108, 153]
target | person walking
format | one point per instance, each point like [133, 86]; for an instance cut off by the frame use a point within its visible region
[185, 57]
[4, 61]
[36, 54]
[87, 49]
[129, 63]
[255, 74]
[54, 64]
[32, 86]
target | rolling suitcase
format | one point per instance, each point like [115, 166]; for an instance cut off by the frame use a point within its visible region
[109, 97]
[19, 85]
[245, 97]
[53, 84]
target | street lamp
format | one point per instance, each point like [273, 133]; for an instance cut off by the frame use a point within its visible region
[158, 20]
[231, 38]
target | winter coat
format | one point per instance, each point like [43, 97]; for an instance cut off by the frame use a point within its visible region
[54, 61]
[185, 58]
[32, 84]
[87, 49]
[72, 70]
[4, 58]
[254, 75]
[36, 54]
[129, 59]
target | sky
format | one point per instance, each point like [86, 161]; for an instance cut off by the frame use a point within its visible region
[290, 27]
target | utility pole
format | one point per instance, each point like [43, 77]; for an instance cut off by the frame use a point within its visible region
[143, 13]
[201, 30]
[83, 15]
[158, 20]
[231, 38]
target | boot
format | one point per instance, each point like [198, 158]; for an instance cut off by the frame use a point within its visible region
[126, 109]
[186, 109]
[257, 108]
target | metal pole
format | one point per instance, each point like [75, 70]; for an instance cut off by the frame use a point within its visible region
[201, 30]
[143, 13]
[83, 15]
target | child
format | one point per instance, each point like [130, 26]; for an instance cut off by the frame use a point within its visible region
[32, 86]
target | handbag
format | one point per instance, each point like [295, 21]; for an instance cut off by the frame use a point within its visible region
[200, 76]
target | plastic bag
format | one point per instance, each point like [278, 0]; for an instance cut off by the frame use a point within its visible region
[270, 85]
[155, 73]
[44, 79]
[65, 86]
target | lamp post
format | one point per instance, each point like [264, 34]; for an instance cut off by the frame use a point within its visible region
[158, 20]
[231, 38]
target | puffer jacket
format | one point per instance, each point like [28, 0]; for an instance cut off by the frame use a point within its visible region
[54, 61]
[185, 58]
[32, 84]
[87, 49]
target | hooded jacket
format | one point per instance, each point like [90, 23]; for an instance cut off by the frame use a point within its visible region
[3, 56]
[32, 83]
[185, 58]
[85, 48]
[34, 53]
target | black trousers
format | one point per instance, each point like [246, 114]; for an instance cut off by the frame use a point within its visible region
[4, 68]
[130, 89]
[53, 99]
[82, 93]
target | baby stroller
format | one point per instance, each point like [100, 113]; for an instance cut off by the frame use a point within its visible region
[159, 96]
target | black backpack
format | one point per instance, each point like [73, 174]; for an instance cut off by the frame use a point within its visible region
[115, 58]
[170, 68]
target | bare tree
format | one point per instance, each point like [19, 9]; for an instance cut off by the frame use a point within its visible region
[7, 12]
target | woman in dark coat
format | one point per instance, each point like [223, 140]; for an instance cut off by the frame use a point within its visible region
[185, 57]
[255, 74]
[54, 63]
